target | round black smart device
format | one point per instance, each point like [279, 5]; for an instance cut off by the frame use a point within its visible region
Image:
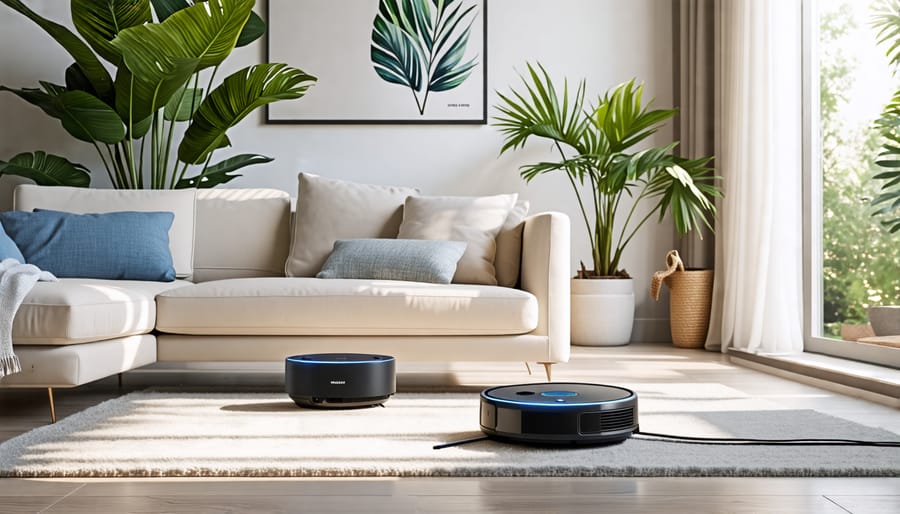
[559, 413]
[339, 380]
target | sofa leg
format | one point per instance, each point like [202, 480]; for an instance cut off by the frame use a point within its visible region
[528, 367]
[548, 370]
[52, 405]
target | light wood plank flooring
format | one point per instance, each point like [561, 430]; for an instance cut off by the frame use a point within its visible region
[632, 366]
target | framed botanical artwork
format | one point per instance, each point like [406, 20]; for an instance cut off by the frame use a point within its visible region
[382, 61]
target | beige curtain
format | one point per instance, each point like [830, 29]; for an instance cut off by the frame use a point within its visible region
[694, 46]
[757, 298]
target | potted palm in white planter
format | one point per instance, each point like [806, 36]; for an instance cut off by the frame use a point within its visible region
[595, 144]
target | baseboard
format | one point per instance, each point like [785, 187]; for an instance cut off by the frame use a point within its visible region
[651, 330]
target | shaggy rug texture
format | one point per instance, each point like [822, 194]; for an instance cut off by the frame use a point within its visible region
[266, 435]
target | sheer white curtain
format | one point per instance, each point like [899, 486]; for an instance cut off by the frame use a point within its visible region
[757, 298]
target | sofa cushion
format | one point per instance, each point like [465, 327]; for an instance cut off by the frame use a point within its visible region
[241, 233]
[475, 220]
[328, 210]
[76, 310]
[82, 200]
[508, 259]
[76, 364]
[114, 245]
[311, 306]
[415, 260]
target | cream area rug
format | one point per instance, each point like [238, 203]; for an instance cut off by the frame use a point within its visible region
[266, 435]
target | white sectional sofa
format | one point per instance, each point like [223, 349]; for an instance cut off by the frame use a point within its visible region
[236, 305]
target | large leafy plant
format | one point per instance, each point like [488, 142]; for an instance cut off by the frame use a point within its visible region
[887, 202]
[596, 147]
[131, 117]
[420, 44]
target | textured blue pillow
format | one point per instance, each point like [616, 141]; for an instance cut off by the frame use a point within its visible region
[8, 248]
[115, 245]
[414, 260]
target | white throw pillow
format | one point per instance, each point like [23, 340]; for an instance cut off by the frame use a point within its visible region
[329, 210]
[474, 220]
[81, 200]
[509, 246]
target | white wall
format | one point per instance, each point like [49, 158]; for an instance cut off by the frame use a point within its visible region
[604, 41]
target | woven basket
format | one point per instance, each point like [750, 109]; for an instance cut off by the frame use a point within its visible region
[689, 301]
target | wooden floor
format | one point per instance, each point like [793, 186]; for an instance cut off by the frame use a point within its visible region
[634, 366]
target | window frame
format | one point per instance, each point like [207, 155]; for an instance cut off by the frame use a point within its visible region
[813, 299]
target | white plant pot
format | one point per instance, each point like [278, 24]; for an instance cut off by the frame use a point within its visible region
[602, 311]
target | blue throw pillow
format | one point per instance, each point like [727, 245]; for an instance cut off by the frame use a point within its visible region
[414, 260]
[115, 245]
[8, 248]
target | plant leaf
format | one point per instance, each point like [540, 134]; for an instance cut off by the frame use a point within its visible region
[183, 104]
[140, 128]
[207, 31]
[87, 61]
[222, 172]
[139, 95]
[253, 30]
[238, 95]
[47, 170]
[166, 8]
[84, 116]
[77, 80]
[100, 22]
[160, 57]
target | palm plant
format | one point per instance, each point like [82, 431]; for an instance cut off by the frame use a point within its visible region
[131, 118]
[887, 202]
[595, 148]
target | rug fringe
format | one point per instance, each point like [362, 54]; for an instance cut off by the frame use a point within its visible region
[9, 365]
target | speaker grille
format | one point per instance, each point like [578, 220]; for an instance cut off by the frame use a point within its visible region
[612, 420]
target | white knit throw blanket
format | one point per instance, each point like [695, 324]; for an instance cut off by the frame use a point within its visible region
[16, 281]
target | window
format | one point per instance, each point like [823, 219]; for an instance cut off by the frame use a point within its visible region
[854, 262]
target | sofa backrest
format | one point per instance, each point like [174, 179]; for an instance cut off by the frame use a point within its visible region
[241, 233]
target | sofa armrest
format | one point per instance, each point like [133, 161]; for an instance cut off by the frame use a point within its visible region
[546, 274]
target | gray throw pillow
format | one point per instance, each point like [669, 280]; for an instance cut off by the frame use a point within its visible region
[413, 260]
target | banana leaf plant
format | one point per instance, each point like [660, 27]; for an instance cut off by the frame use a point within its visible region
[130, 117]
[596, 147]
[887, 202]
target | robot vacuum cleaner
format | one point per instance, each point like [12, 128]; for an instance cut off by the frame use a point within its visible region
[557, 413]
[339, 380]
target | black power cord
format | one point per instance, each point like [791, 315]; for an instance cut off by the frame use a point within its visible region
[460, 442]
[684, 439]
[725, 441]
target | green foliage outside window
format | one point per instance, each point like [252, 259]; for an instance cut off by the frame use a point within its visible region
[861, 259]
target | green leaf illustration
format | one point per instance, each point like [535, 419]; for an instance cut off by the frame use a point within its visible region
[420, 44]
